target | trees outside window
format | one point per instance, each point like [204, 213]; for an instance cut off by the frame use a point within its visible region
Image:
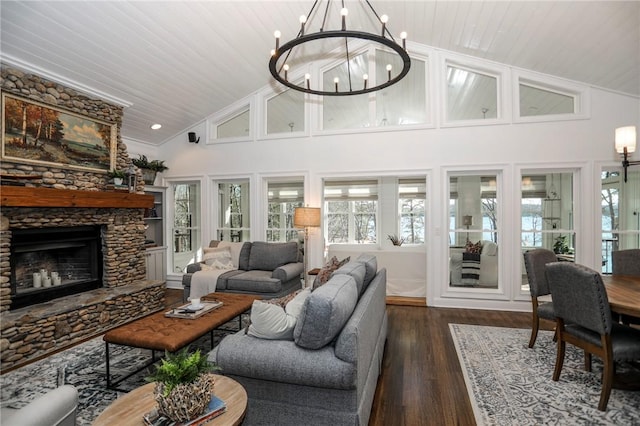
[411, 202]
[351, 211]
[283, 198]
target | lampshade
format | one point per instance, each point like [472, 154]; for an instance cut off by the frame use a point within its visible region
[306, 216]
[625, 137]
[467, 220]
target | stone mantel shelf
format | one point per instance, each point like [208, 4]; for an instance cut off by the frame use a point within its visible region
[25, 196]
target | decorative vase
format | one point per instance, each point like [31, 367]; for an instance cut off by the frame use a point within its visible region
[149, 176]
[117, 181]
[185, 401]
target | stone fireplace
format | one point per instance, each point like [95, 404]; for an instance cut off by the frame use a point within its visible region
[101, 270]
[53, 262]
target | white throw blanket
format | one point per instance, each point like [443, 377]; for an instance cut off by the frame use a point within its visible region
[204, 282]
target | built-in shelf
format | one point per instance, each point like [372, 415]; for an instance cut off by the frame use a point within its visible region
[25, 196]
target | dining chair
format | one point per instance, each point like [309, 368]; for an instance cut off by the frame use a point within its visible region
[583, 319]
[534, 263]
[626, 262]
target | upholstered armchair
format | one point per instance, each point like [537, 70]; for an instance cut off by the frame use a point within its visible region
[55, 408]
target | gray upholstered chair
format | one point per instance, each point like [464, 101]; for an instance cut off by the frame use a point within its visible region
[535, 262]
[583, 319]
[55, 408]
[626, 262]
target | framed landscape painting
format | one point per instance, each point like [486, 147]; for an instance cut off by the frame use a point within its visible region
[42, 134]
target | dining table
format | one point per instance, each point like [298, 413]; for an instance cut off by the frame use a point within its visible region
[623, 292]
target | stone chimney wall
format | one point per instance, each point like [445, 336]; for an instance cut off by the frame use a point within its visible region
[32, 332]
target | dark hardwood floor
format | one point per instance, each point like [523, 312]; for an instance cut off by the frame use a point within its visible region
[421, 381]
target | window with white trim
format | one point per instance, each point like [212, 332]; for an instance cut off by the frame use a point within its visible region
[411, 209]
[186, 230]
[283, 198]
[351, 211]
[233, 210]
[285, 112]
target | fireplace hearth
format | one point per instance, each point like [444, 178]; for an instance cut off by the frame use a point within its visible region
[49, 263]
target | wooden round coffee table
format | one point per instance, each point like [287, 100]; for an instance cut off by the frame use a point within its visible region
[129, 409]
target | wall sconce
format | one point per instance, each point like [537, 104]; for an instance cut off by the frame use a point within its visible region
[625, 144]
[192, 137]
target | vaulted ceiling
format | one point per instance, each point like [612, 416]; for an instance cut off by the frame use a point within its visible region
[177, 62]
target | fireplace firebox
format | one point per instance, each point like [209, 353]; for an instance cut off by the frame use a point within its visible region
[48, 263]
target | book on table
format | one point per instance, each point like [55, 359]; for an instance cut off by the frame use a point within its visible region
[189, 311]
[214, 409]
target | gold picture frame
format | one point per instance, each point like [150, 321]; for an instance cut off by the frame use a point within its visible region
[37, 133]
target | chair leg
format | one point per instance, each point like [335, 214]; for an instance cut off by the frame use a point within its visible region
[559, 359]
[555, 334]
[534, 330]
[607, 382]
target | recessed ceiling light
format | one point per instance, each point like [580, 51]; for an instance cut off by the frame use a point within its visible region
[156, 126]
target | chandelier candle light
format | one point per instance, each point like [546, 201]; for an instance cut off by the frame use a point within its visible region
[302, 52]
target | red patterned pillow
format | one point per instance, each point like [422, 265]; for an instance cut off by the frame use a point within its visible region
[473, 247]
[326, 271]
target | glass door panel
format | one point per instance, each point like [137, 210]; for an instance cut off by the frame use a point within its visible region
[473, 231]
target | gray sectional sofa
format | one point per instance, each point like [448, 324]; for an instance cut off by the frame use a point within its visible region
[265, 269]
[326, 375]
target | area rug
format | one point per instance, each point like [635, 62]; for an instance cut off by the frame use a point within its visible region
[510, 384]
[84, 367]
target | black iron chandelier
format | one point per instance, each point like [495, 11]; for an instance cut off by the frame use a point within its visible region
[298, 49]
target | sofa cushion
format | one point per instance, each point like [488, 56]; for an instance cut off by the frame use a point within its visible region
[371, 268]
[272, 321]
[356, 270]
[268, 256]
[254, 282]
[325, 312]
[245, 253]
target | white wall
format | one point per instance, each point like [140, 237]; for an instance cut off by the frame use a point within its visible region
[585, 144]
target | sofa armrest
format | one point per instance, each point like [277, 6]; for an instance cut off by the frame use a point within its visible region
[194, 267]
[282, 361]
[57, 407]
[288, 272]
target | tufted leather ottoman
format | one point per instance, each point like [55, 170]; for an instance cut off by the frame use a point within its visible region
[160, 333]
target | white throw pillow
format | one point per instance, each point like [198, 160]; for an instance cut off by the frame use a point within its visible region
[271, 321]
[218, 257]
[235, 249]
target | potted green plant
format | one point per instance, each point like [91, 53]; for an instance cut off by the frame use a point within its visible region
[560, 245]
[117, 176]
[149, 168]
[184, 384]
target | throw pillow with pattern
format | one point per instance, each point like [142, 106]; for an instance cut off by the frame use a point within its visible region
[473, 247]
[326, 271]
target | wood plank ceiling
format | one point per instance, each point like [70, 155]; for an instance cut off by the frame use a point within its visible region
[178, 62]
